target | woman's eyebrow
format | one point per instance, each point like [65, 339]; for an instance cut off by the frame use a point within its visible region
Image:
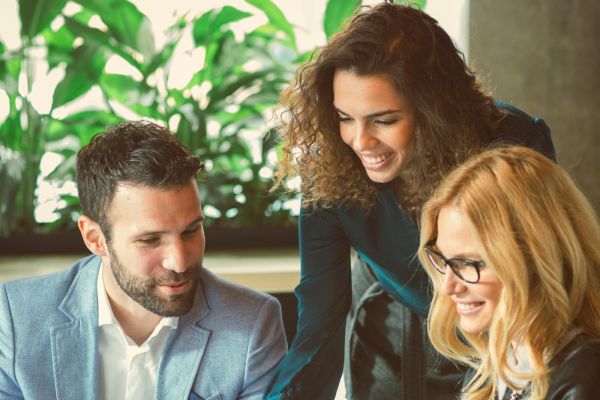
[373, 115]
[382, 113]
[340, 111]
[465, 256]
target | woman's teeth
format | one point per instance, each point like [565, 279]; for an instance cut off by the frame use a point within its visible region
[375, 160]
[467, 306]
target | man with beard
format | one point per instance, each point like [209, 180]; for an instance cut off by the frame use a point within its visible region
[140, 318]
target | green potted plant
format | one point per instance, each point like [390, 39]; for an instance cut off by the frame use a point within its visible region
[223, 113]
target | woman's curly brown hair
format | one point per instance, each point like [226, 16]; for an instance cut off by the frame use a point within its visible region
[453, 117]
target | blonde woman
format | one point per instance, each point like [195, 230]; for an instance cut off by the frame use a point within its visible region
[513, 250]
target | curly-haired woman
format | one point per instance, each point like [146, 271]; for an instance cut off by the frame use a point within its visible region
[371, 125]
[513, 250]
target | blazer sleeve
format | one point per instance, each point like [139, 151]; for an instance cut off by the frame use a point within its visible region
[9, 389]
[313, 366]
[266, 348]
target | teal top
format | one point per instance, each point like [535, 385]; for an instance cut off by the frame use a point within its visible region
[387, 239]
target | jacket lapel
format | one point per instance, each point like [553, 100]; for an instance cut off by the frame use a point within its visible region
[75, 343]
[182, 355]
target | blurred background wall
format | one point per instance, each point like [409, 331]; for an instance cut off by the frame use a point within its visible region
[542, 56]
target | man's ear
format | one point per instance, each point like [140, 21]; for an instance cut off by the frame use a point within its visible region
[92, 236]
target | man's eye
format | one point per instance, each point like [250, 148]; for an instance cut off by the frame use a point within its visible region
[149, 241]
[189, 232]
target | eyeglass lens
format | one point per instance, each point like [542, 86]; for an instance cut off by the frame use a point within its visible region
[462, 269]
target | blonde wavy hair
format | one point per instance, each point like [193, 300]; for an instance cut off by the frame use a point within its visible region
[541, 236]
[453, 117]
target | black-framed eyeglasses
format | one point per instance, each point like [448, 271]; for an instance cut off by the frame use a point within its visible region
[465, 269]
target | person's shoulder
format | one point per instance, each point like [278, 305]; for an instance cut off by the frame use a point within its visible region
[223, 292]
[575, 371]
[511, 109]
[227, 303]
[45, 290]
[514, 119]
[519, 128]
[582, 351]
[50, 280]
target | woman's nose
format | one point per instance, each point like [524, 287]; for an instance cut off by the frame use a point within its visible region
[451, 283]
[363, 138]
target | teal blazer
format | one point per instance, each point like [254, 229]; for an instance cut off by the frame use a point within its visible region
[225, 348]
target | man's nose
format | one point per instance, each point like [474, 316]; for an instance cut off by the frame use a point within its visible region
[175, 258]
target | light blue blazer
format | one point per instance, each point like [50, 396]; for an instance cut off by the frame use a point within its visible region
[225, 348]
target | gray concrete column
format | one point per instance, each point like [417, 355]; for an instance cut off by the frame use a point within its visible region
[543, 56]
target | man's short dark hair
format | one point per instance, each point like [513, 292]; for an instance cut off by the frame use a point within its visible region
[138, 153]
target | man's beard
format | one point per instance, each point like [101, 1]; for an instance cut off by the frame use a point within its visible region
[143, 291]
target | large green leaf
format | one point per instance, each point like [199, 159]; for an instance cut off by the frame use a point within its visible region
[13, 67]
[228, 15]
[61, 39]
[163, 56]
[122, 88]
[214, 47]
[233, 118]
[203, 36]
[184, 131]
[88, 62]
[102, 39]
[336, 14]
[131, 93]
[37, 15]
[99, 119]
[228, 58]
[236, 82]
[56, 130]
[10, 130]
[125, 23]
[211, 22]
[60, 45]
[202, 27]
[267, 34]
[276, 17]
[209, 31]
[192, 127]
[85, 124]
[61, 42]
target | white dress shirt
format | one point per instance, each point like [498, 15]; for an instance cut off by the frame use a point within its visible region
[127, 371]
